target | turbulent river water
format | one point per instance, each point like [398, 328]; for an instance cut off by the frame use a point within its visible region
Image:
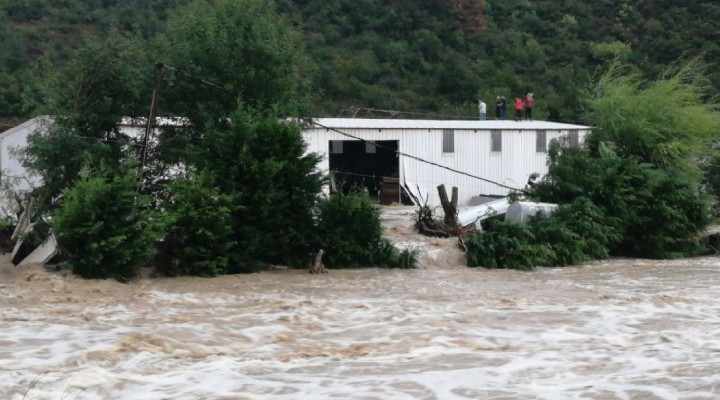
[618, 329]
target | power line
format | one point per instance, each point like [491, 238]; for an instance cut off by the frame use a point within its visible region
[394, 113]
[197, 79]
[400, 153]
[355, 110]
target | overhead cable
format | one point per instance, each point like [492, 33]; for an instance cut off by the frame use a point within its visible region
[400, 153]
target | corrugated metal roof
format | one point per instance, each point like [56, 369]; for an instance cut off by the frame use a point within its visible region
[29, 124]
[368, 123]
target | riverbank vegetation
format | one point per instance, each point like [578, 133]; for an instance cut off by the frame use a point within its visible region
[429, 56]
[635, 189]
[228, 189]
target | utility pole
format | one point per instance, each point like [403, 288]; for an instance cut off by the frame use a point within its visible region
[160, 70]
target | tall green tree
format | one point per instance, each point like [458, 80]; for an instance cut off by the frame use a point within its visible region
[199, 228]
[103, 228]
[262, 163]
[665, 122]
[642, 162]
[106, 81]
[227, 52]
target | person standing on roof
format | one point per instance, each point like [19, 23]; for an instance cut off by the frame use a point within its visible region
[529, 105]
[498, 107]
[503, 107]
[518, 109]
[482, 108]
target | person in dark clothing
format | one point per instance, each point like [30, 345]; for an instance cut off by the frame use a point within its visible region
[503, 107]
[498, 107]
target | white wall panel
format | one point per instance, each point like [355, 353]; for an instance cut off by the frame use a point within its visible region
[511, 167]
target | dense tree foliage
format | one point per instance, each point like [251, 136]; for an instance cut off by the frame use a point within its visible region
[636, 186]
[261, 163]
[103, 82]
[244, 49]
[350, 233]
[242, 192]
[431, 55]
[103, 228]
[663, 122]
[198, 229]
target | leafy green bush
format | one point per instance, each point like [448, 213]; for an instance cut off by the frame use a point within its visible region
[667, 214]
[198, 223]
[575, 233]
[664, 122]
[385, 255]
[657, 213]
[350, 232]
[102, 228]
[262, 162]
[507, 245]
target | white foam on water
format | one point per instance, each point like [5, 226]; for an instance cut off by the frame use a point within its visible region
[621, 329]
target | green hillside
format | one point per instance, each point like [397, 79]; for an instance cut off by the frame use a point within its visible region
[431, 56]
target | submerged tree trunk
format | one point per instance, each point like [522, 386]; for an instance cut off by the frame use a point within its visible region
[449, 206]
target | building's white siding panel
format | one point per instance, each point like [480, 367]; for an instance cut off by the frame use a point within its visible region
[422, 139]
[473, 153]
[11, 168]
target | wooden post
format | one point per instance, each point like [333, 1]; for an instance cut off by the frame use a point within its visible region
[151, 118]
[454, 200]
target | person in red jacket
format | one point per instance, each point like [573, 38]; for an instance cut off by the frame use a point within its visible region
[529, 105]
[518, 108]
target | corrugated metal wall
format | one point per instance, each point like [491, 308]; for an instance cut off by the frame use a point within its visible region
[511, 167]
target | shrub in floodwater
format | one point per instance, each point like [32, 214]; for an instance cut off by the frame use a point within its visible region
[387, 256]
[575, 233]
[7, 227]
[507, 245]
[350, 232]
[102, 227]
[198, 224]
[262, 162]
[657, 213]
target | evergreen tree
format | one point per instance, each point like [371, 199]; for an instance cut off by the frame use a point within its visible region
[261, 162]
[102, 227]
[197, 221]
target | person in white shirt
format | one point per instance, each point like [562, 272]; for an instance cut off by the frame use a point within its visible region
[482, 108]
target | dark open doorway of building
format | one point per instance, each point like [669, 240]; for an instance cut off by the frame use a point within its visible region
[355, 164]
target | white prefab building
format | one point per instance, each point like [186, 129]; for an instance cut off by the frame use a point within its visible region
[16, 180]
[481, 158]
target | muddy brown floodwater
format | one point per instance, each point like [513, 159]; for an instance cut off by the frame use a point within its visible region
[618, 329]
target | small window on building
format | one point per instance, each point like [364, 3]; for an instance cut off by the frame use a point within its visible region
[541, 141]
[448, 144]
[574, 138]
[370, 148]
[336, 147]
[496, 139]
